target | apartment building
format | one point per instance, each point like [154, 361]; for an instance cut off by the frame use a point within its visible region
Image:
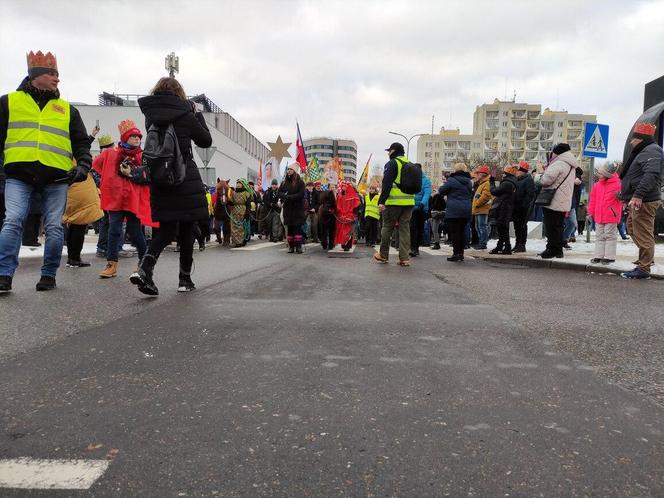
[325, 148]
[504, 131]
[437, 153]
[519, 131]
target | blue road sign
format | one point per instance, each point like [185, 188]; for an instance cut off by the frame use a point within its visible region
[596, 140]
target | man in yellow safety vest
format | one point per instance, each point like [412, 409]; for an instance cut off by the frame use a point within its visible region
[371, 215]
[396, 207]
[41, 137]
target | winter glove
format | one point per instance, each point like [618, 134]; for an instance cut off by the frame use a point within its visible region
[78, 173]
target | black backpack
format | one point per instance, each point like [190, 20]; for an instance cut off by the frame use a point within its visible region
[162, 156]
[411, 178]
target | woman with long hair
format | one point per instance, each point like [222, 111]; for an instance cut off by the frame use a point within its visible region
[238, 210]
[291, 193]
[179, 206]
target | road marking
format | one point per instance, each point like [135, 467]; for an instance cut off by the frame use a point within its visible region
[33, 473]
[254, 247]
[435, 252]
[338, 249]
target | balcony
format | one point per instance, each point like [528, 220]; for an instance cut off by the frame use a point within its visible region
[518, 114]
[575, 124]
[546, 125]
[491, 146]
[530, 155]
[491, 115]
[517, 144]
[515, 155]
[574, 135]
[519, 124]
[490, 135]
[532, 135]
[546, 145]
[532, 145]
[546, 135]
[533, 125]
[533, 115]
[492, 124]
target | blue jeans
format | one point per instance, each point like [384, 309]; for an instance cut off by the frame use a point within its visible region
[482, 227]
[570, 224]
[17, 204]
[115, 232]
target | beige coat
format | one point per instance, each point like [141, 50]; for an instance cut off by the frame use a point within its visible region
[554, 175]
[82, 203]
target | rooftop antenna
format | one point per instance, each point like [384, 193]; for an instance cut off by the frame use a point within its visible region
[514, 97]
[505, 98]
[557, 99]
[172, 64]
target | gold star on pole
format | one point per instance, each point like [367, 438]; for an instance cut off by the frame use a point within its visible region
[279, 149]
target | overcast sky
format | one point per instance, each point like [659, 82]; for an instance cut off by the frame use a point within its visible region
[352, 69]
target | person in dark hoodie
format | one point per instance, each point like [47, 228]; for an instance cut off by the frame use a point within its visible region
[641, 180]
[502, 209]
[35, 114]
[184, 204]
[459, 191]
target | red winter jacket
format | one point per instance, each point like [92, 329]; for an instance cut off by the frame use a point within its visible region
[604, 206]
[118, 193]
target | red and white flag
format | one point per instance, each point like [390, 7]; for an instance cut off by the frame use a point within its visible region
[301, 156]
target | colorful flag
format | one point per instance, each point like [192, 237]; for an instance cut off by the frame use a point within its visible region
[313, 171]
[301, 155]
[364, 177]
[259, 181]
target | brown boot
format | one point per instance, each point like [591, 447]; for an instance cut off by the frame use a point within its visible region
[110, 271]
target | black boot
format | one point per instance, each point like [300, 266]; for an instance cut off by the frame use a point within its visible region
[519, 248]
[184, 283]
[142, 277]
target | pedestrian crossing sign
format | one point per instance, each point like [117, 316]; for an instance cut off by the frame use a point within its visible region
[596, 140]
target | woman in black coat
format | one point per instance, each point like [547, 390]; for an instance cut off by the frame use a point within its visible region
[291, 193]
[176, 208]
[502, 208]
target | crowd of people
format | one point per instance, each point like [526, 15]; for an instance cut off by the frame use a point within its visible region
[49, 181]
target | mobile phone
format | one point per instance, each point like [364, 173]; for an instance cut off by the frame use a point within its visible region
[97, 124]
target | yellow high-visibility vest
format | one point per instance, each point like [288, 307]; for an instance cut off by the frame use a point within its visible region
[371, 207]
[397, 197]
[35, 134]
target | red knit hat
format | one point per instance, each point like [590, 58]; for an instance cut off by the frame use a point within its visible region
[644, 130]
[127, 129]
[483, 169]
[524, 166]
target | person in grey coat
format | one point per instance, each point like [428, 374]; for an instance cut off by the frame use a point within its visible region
[641, 179]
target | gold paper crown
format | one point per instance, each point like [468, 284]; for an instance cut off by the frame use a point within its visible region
[105, 140]
[40, 60]
[126, 125]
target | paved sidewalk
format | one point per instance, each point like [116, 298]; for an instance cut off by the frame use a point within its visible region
[577, 258]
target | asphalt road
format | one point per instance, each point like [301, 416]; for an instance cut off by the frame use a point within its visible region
[286, 375]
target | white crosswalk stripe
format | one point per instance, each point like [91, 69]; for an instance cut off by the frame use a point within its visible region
[255, 247]
[32, 473]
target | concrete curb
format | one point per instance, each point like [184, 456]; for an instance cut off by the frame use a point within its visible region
[555, 263]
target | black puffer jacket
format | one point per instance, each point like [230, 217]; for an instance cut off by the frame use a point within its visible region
[36, 173]
[641, 176]
[184, 202]
[503, 204]
[292, 195]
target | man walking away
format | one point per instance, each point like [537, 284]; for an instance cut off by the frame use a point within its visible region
[395, 206]
[641, 179]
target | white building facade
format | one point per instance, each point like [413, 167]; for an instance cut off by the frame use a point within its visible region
[238, 153]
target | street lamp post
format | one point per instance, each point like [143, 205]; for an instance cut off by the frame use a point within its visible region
[206, 157]
[408, 140]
